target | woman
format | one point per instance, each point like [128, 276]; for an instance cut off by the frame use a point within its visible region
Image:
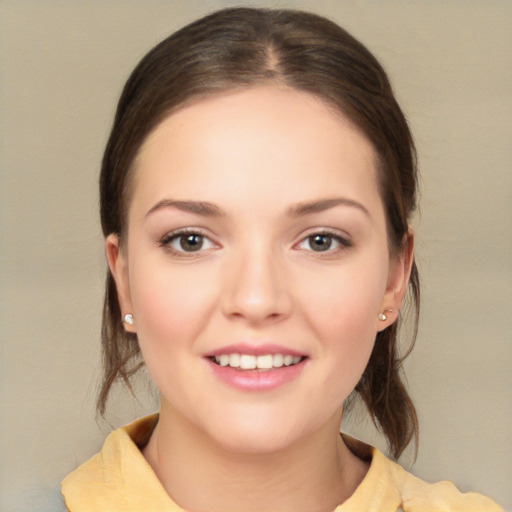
[256, 193]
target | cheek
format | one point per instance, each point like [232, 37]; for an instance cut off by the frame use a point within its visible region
[345, 303]
[169, 307]
[343, 315]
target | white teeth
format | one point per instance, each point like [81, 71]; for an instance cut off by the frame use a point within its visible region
[278, 360]
[250, 362]
[265, 362]
[234, 360]
[247, 362]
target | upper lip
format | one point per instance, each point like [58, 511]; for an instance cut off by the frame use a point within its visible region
[254, 349]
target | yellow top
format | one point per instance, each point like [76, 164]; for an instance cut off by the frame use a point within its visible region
[118, 479]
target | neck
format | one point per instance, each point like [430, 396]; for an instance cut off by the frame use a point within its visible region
[316, 473]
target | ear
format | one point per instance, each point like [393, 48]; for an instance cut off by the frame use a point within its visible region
[117, 262]
[399, 272]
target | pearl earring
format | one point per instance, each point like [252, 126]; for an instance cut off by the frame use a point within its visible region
[128, 318]
[382, 316]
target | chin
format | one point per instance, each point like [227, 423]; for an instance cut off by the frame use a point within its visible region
[253, 434]
[256, 443]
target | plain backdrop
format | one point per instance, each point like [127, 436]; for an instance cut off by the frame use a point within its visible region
[62, 65]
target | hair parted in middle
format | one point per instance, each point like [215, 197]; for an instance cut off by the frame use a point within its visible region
[237, 48]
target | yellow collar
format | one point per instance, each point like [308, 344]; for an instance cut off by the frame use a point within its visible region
[119, 479]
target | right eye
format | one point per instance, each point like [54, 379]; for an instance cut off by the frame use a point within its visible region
[187, 241]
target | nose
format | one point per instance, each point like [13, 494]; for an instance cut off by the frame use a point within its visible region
[256, 288]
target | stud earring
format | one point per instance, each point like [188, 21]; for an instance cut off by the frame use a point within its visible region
[128, 319]
[382, 316]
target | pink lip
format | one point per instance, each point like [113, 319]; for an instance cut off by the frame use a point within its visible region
[254, 350]
[255, 380]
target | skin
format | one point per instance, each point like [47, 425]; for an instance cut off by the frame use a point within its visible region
[258, 156]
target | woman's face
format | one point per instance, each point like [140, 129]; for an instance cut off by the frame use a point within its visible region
[256, 264]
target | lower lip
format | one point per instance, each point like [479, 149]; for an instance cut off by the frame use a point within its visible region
[254, 380]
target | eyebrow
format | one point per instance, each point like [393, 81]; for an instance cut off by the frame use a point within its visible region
[198, 207]
[310, 207]
[207, 209]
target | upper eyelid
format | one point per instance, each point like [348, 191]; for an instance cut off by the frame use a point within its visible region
[174, 234]
[186, 231]
[326, 231]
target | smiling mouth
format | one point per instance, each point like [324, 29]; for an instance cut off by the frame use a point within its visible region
[265, 362]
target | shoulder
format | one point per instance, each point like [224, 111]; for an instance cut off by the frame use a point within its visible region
[416, 495]
[388, 487]
[118, 479]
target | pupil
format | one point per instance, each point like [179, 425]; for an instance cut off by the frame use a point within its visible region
[320, 242]
[191, 242]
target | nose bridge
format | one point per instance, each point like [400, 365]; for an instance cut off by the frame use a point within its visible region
[256, 288]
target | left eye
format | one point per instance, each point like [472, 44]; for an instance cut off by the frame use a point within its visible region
[188, 242]
[322, 242]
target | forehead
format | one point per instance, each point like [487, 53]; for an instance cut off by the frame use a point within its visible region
[270, 104]
[259, 136]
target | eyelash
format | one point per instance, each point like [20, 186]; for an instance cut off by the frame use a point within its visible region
[175, 236]
[343, 242]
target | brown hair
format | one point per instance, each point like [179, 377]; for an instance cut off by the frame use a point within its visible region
[242, 47]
